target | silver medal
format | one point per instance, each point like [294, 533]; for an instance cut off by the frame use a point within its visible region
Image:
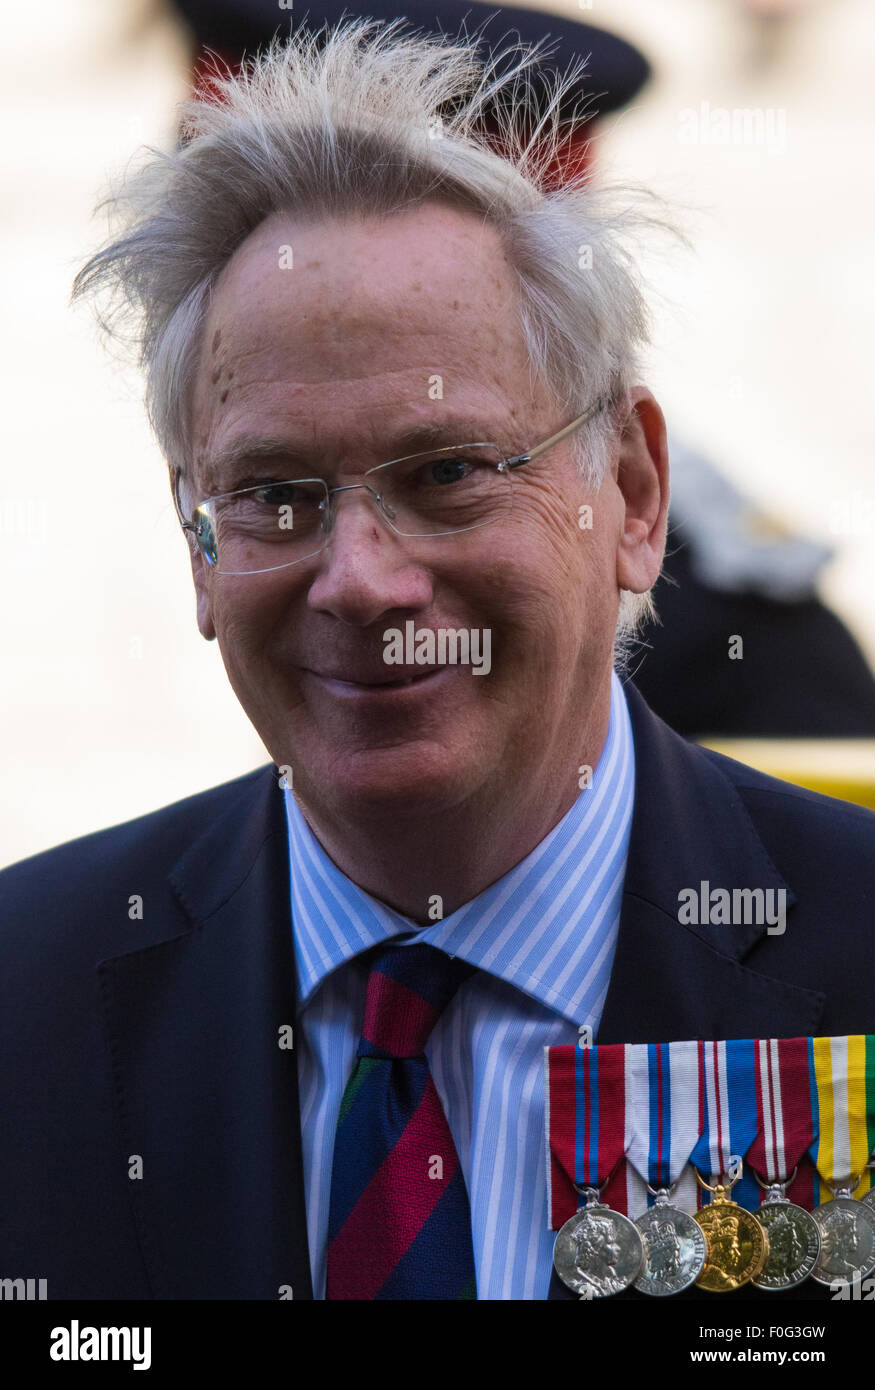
[598, 1251]
[847, 1239]
[675, 1248]
[869, 1198]
[794, 1242]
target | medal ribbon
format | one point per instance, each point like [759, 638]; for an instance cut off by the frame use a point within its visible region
[730, 1095]
[664, 1084]
[586, 1121]
[600, 1087]
[787, 1116]
[844, 1081]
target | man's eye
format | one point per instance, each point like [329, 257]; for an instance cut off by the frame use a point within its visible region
[450, 470]
[274, 494]
[278, 494]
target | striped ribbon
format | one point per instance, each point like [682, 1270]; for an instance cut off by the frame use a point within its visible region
[787, 1116]
[664, 1081]
[729, 1118]
[586, 1122]
[844, 1083]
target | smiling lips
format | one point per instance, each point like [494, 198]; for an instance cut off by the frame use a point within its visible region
[344, 684]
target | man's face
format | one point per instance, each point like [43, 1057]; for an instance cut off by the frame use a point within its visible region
[338, 356]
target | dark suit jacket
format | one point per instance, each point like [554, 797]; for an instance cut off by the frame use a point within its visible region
[159, 1036]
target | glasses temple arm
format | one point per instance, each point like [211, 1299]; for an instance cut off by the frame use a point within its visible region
[590, 414]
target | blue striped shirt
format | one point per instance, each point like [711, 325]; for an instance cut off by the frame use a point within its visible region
[543, 939]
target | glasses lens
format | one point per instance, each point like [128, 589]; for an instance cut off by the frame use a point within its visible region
[263, 528]
[267, 527]
[447, 490]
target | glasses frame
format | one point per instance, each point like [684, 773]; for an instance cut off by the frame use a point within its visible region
[506, 465]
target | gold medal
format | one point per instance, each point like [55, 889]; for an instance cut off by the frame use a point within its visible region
[738, 1246]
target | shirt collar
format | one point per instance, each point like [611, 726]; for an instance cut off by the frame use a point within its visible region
[531, 928]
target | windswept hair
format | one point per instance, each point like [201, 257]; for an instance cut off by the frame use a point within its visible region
[370, 118]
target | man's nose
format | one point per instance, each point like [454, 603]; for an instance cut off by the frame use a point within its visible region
[366, 568]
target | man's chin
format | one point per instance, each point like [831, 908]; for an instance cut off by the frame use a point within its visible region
[416, 778]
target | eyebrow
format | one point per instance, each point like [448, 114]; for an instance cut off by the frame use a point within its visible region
[274, 448]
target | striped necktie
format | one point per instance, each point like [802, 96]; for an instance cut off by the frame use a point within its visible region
[400, 1223]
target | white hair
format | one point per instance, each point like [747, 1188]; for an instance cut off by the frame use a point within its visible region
[368, 119]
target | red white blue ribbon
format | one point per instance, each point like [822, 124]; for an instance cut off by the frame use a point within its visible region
[664, 1081]
[586, 1122]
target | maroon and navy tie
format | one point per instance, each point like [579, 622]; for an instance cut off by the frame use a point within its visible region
[400, 1222]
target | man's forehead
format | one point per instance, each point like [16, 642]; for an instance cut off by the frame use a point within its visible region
[424, 368]
[431, 240]
[343, 291]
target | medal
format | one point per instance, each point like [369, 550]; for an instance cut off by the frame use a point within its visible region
[847, 1238]
[690, 1110]
[675, 1247]
[785, 1133]
[841, 1152]
[663, 1082]
[598, 1251]
[737, 1244]
[794, 1240]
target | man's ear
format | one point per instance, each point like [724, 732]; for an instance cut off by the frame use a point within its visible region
[642, 476]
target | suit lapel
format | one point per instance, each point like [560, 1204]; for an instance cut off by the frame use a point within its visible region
[207, 1097]
[671, 982]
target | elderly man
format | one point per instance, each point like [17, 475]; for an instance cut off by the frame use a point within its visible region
[285, 1038]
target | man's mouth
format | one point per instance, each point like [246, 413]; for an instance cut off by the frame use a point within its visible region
[345, 685]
